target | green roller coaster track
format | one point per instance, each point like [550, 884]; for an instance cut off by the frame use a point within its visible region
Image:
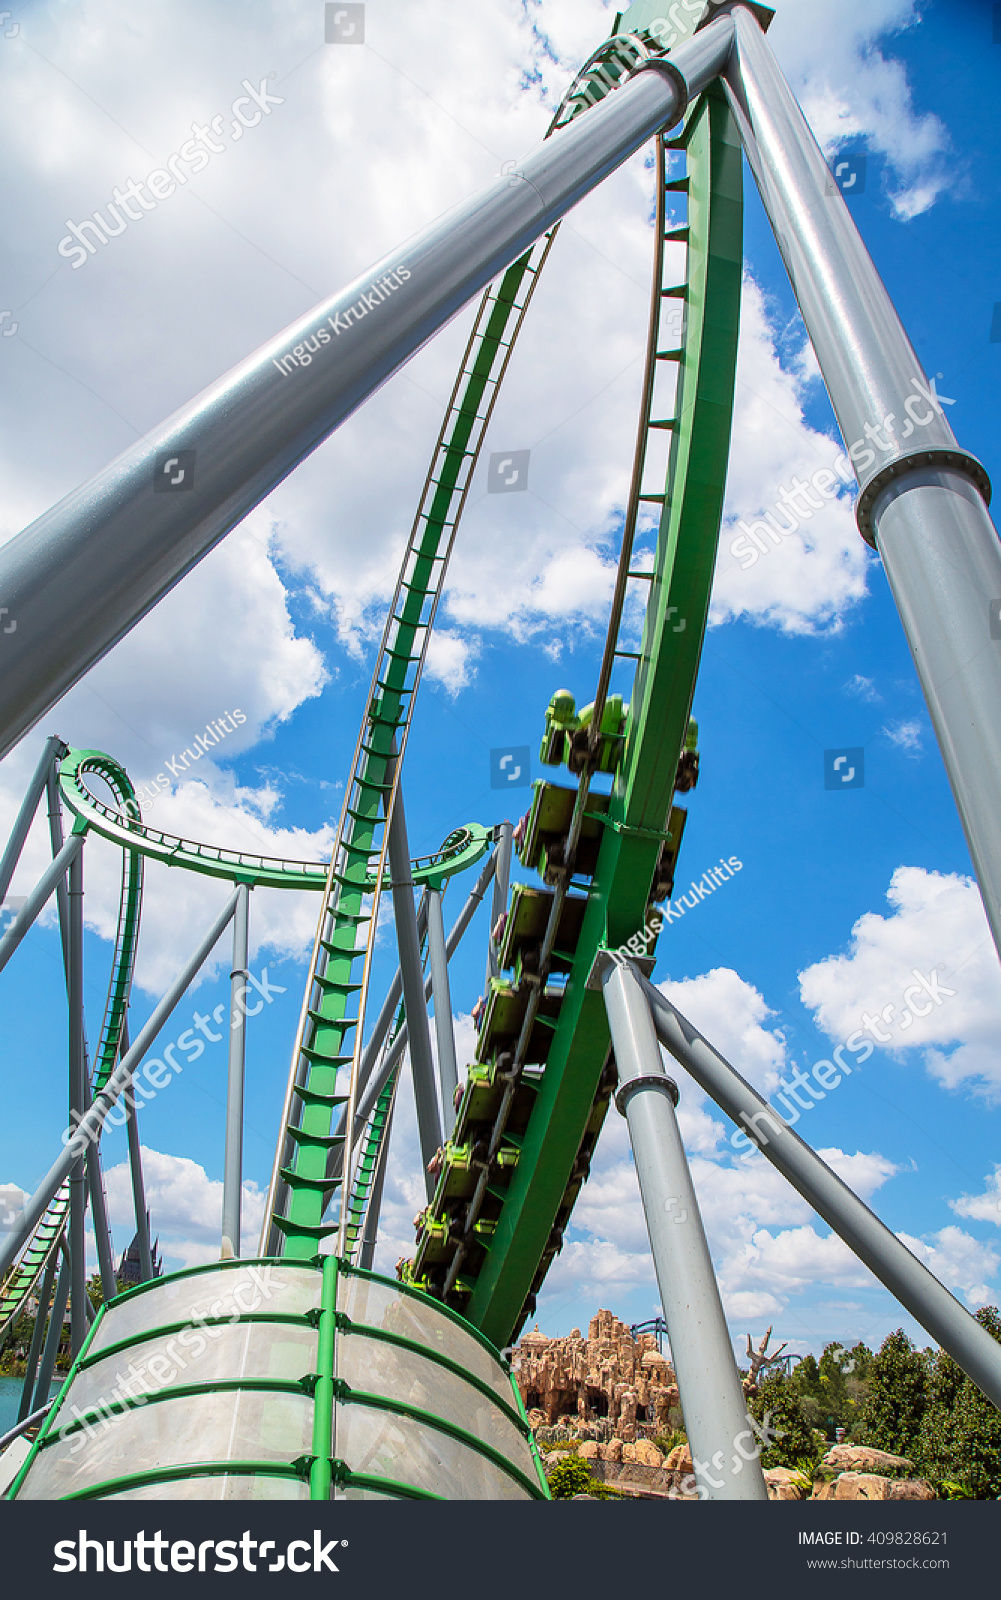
[536, 1095]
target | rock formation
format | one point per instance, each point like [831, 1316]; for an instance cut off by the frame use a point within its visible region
[607, 1375]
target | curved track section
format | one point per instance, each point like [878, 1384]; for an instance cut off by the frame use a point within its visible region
[537, 1094]
[45, 1240]
[462, 849]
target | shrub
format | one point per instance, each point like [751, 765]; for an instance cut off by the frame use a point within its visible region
[793, 1443]
[571, 1476]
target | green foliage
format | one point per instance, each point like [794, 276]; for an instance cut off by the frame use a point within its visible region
[667, 1441]
[891, 1415]
[571, 1476]
[792, 1440]
[959, 1441]
[831, 1391]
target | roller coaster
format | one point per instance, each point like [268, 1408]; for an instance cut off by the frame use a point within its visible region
[297, 1372]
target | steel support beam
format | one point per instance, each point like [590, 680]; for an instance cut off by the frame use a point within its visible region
[922, 498]
[366, 1102]
[77, 1108]
[412, 974]
[36, 900]
[88, 569]
[232, 1186]
[448, 1072]
[136, 1168]
[55, 1333]
[38, 1334]
[498, 904]
[917, 1289]
[51, 752]
[727, 1465]
[121, 1079]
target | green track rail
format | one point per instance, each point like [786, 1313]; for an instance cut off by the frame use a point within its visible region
[328, 1045]
[45, 1240]
[486, 1245]
[123, 826]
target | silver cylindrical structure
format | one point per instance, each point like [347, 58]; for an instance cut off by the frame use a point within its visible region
[51, 752]
[232, 1182]
[35, 901]
[917, 1289]
[136, 1170]
[448, 1072]
[412, 975]
[84, 573]
[922, 498]
[498, 903]
[77, 1106]
[724, 1450]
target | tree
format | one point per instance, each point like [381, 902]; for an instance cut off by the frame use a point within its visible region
[960, 1437]
[894, 1406]
[778, 1403]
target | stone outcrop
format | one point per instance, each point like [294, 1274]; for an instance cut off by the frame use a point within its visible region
[860, 1458]
[784, 1483]
[870, 1486]
[608, 1375]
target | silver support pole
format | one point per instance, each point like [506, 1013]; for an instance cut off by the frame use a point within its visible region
[408, 943]
[37, 1335]
[371, 1234]
[366, 1102]
[54, 748]
[232, 1189]
[498, 904]
[56, 840]
[121, 1078]
[77, 1108]
[716, 1418]
[448, 1072]
[55, 1333]
[35, 902]
[99, 1219]
[917, 1289]
[921, 501]
[136, 1166]
[86, 571]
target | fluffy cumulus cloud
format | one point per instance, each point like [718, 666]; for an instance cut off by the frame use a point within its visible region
[185, 1207]
[839, 59]
[790, 554]
[926, 978]
[984, 1207]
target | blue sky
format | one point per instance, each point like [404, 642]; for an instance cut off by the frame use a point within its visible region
[805, 652]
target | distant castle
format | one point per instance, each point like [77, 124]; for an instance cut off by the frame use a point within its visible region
[130, 1271]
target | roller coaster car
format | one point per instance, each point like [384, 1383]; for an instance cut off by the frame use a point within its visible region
[525, 929]
[663, 878]
[541, 834]
[568, 736]
[503, 1015]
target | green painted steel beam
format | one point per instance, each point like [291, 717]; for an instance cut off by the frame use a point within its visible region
[662, 699]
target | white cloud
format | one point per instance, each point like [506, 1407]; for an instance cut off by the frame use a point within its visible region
[810, 580]
[959, 1261]
[185, 1207]
[853, 94]
[864, 688]
[937, 925]
[732, 1014]
[984, 1207]
[905, 735]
